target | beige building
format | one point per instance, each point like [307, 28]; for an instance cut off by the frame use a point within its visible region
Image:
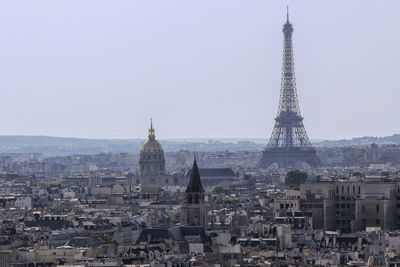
[291, 201]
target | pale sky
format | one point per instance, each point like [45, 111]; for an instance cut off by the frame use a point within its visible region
[200, 69]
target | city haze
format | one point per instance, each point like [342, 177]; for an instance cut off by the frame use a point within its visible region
[100, 69]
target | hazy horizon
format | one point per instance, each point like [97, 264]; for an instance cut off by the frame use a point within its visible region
[258, 140]
[202, 70]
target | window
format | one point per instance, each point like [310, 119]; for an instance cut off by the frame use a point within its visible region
[378, 223]
[196, 199]
[363, 208]
[190, 199]
[377, 208]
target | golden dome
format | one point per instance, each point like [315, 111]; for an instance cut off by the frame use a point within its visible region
[151, 145]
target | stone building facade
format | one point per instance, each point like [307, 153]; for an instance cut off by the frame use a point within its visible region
[352, 205]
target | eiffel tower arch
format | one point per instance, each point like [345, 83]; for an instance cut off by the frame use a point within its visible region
[289, 144]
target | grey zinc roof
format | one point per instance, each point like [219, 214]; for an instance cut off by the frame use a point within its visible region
[212, 172]
[177, 233]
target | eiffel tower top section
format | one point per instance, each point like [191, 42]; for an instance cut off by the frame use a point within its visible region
[288, 97]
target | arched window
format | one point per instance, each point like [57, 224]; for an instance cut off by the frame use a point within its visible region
[190, 198]
[196, 199]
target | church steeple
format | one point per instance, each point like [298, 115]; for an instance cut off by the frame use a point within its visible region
[195, 185]
[194, 210]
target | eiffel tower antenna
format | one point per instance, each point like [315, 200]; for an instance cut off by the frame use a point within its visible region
[289, 143]
[287, 14]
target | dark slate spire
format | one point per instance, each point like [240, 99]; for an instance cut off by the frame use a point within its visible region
[195, 185]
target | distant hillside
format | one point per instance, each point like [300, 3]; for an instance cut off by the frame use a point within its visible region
[58, 146]
[53, 146]
[65, 146]
[360, 141]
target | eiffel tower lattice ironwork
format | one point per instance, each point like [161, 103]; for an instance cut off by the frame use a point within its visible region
[289, 143]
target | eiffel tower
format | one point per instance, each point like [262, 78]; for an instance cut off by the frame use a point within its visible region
[289, 143]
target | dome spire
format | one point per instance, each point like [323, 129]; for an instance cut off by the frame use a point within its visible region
[151, 131]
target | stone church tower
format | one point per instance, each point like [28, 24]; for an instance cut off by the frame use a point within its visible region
[194, 211]
[152, 161]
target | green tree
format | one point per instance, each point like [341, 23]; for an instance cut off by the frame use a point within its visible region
[294, 178]
[78, 210]
[220, 190]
